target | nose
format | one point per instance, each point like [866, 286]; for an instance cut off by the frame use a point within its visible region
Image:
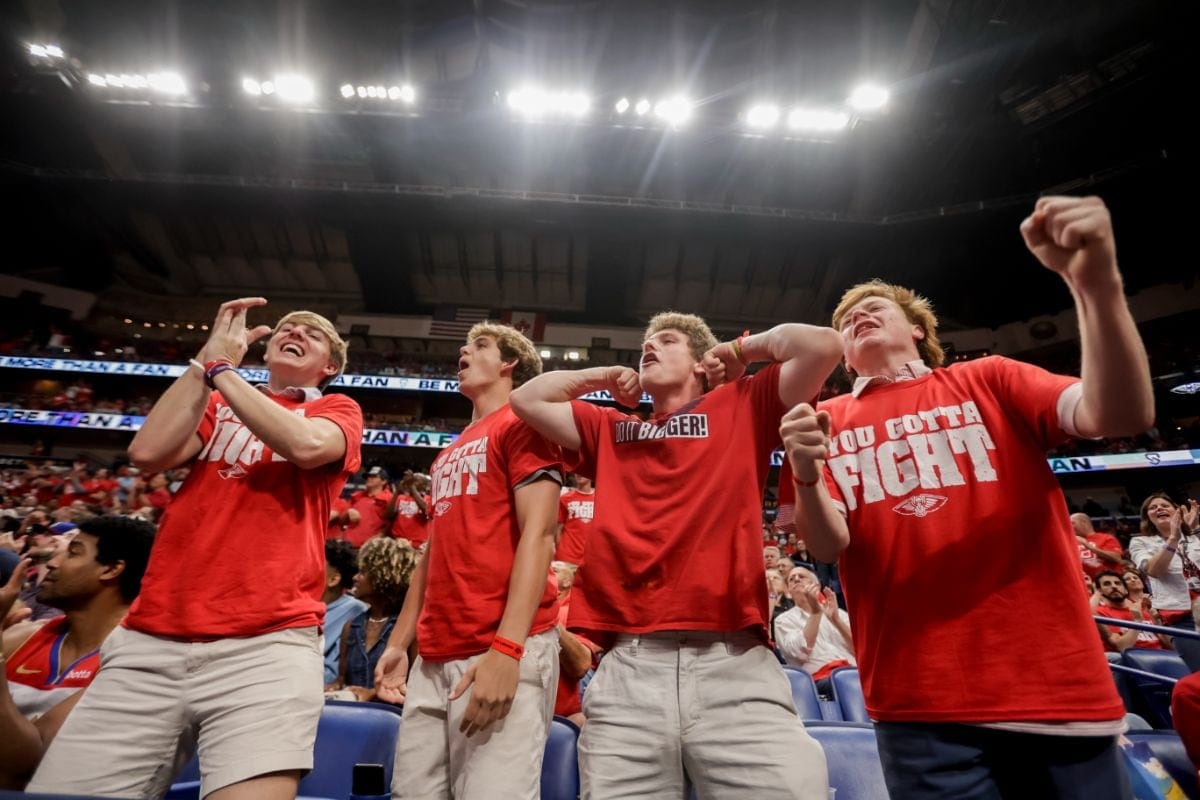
[462, 351]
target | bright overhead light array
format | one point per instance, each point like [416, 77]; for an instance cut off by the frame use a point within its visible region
[405, 93]
[533, 102]
[167, 83]
[288, 87]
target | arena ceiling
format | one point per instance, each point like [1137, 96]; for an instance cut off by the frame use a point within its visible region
[454, 199]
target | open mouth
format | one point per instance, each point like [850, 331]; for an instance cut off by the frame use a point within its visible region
[649, 358]
[863, 327]
[462, 364]
[293, 349]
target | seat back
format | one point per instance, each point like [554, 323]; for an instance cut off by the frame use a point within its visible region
[804, 694]
[847, 691]
[1153, 698]
[349, 734]
[560, 765]
[853, 758]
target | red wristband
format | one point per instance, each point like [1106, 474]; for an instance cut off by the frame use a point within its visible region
[805, 484]
[214, 368]
[737, 348]
[508, 647]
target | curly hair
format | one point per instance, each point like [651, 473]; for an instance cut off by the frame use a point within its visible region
[700, 338]
[340, 556]
[512, 344]
[916, 308]
[388, 564]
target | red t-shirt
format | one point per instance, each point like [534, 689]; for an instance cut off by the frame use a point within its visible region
[567, 698]
[1093, 564]
[240, 550]
[36, 662]
[1185, 711]
[662, 556]
[956, 541]
[576, 510]
[474, 535]
[370, 516]
[1145, 639]
[159, 498]
[339, 506]
[410, 523]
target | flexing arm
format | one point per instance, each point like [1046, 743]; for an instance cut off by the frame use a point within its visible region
[1073, 237]
[495, 675]
[544, 403]
[809, 353]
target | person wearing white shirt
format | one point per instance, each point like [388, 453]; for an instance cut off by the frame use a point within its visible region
[815, 634]
[1168, 551]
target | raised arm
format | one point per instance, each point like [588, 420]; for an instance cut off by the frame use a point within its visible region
[544, 403]
[808, 354]
[1073, 237]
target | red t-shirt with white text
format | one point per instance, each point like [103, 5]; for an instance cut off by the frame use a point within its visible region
[576, 510]
[1093, 564]
[1145, 639]
[474, 537]
[662, 556]
[410, 523]
[956, 542]
[240, 550]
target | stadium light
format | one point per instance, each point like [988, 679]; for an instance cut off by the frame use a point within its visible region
[407, 94]
[45, 51]
[171, 83]
[816, 119]
[251, 86]
[372, 91]
[533, 102]
[54, 51]
[361, 91]
[347, 91]
[642, 107]
[622, 105]
[868, 97]
[96, 80]
[762, 116]
[544, 353]
[268, 87]
[674, 110]
[293, 88]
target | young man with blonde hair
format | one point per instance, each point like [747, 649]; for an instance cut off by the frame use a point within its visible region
[937, 477]
[482, 604]
[689, 692]
[223, 644]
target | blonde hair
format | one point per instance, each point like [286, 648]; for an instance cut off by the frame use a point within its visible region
[916, 308]
[512, 344]
[389, 565]
[337, 345]
[700, 338]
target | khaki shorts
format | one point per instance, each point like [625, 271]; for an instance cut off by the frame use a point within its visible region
[251, 704]
[709, 709]
[434, 760]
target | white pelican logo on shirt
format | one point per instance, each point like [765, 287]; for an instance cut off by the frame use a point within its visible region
[442, 507]
[920, 505]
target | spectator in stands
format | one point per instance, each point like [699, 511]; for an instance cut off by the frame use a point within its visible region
[771, 556]
[1138, 595]
[1115, 604]
[942, 472]
[576, 655]
[341, 564]
[1097, 551]
[777, 598]
[409, 509]
[366, 516]
[385, 567]
[93, 580]
[644, 570]
[1089, 589]
[1168, 551]
[784, 565]
[815, 634]
[483, 604]
[576, 510]
[245, 631]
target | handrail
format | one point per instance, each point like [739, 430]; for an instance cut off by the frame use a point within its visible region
[1144, 626]
[1141, 673]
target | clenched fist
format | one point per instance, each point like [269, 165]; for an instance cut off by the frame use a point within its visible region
[805, 434]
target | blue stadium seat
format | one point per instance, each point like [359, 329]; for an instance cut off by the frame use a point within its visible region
[560, 765]
[853, 758]
[1168, 749]
[847, 691]
[804, 694]
[349, 733]
[1153, 698]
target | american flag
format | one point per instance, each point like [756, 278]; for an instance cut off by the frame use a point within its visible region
[452, 322]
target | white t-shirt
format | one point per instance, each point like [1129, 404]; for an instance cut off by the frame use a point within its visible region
[829, 644]
[1170, 592]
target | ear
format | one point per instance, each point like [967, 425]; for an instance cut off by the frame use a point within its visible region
[918, 333]
[507, 368]
[330, 368]
[111, 572]
[333, 579]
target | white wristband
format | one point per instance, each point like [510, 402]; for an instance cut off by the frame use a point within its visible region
[194, 363]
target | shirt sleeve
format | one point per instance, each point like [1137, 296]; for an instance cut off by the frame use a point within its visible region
[789, 638]
[1140, 551]
[347, 415]
[1110, 543]
[209, 421]
[768, 410]
[590, 422]
[527, 452]
[1043, 401]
